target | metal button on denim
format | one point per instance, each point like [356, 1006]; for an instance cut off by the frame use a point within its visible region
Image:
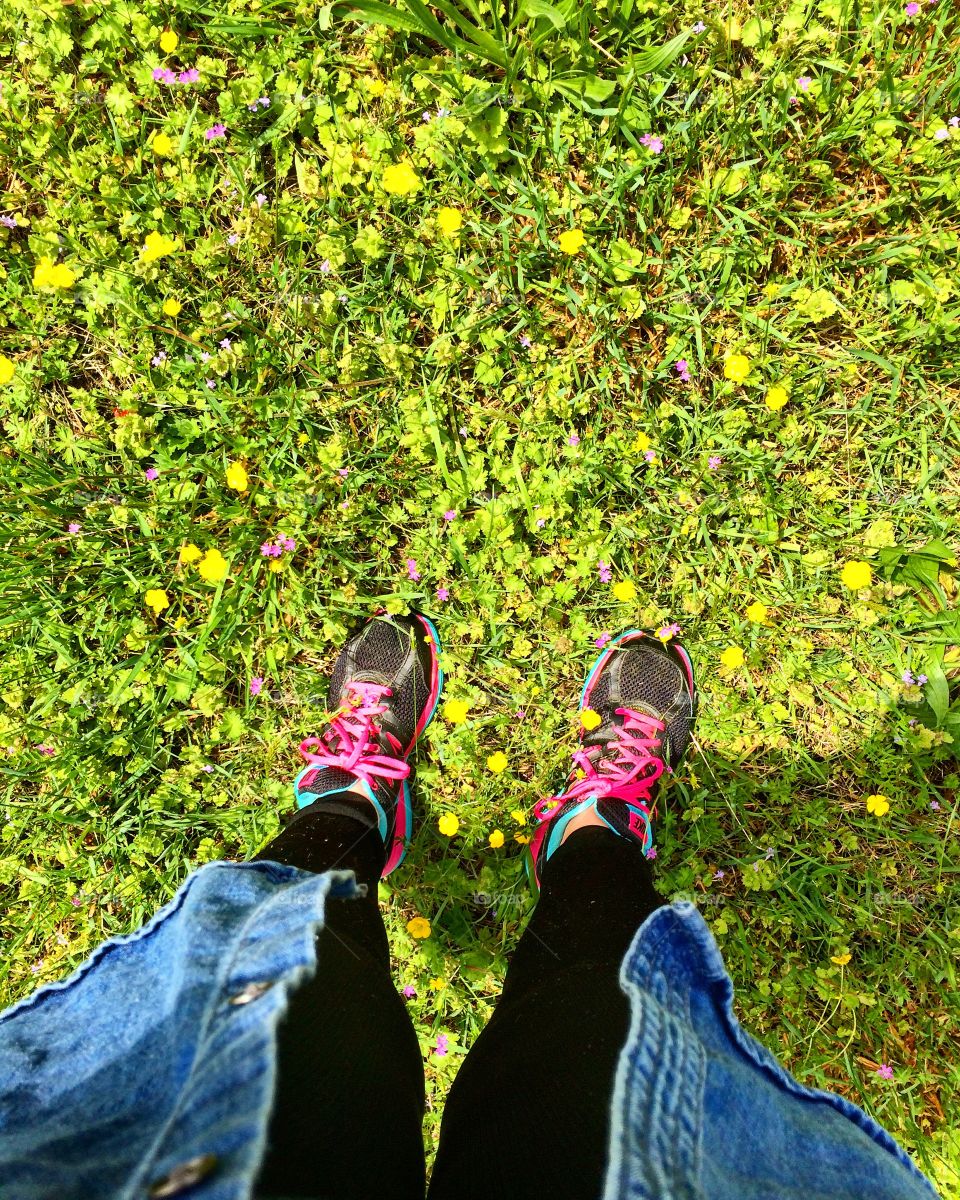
[187, 1175]
[253, 991]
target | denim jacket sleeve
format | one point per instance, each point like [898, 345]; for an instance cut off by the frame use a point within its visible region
[150, 1070]
[702, 1111]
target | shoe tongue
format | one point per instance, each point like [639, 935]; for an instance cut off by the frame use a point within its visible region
[325, 779]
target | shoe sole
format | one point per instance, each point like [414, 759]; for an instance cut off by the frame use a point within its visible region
[404, 825]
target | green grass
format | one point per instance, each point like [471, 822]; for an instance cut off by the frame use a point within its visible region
[818, 239]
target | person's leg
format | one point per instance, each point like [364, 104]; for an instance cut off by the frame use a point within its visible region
[350, 1094]
[528, 1113]
[346, 1122]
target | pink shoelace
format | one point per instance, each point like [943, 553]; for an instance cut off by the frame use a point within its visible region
[352, 732]
[629, 774]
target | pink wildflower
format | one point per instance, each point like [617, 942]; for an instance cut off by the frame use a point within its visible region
[442, 1047]
[256, 684]
[150, 474]
[653, 143]
[409, 991]
[215, 131]
[73, 527]
[573, 440]
[602, 640]
[714, 461]
[885, 1071]
[450, 514]
[605, 573]
[412, 571]
[443, 593]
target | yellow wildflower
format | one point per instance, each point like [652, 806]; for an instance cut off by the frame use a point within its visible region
[496, 839]
[190, 553]
[456, 711]
[168, 41]
[212, 567]
[449, 220]
[624, 590]
[732, 657]
[856, 575]
[438, 983]
[521, 838]
[571, 241]
[418, 927]
[162, 144]
[519, 816]
[497, 762]
[776, 398]
[156, 598]
[156, 245]
[756, 612]
[49, 276]
[171, 308]
[641, 442]
[736, 367]
[6, 369]
[840, 959]
[275, 565]
[878, 805]
[448, 824]
[237, 477]
[400, 178]
[590, 719]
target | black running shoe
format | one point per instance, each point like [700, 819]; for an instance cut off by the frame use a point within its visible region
[384, 691]
[643, 692]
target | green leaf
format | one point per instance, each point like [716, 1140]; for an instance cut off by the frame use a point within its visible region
[590, 88]
[540, 8]
[385, 14]
[657, 57]
[937, 691]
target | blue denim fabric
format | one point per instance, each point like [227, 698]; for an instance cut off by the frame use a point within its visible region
[702, 1111]
[142, 1067]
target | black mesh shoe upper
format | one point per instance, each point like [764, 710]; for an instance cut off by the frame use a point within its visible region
[649, 677]
[392, 651]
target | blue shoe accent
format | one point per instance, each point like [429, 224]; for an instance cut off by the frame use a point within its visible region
[304, 799]
[560, 825]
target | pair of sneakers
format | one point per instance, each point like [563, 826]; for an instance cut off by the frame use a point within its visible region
[385, 689]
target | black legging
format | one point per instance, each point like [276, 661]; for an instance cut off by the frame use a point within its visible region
[528, 1113]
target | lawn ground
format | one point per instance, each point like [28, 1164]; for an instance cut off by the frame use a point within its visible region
[591, 320]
